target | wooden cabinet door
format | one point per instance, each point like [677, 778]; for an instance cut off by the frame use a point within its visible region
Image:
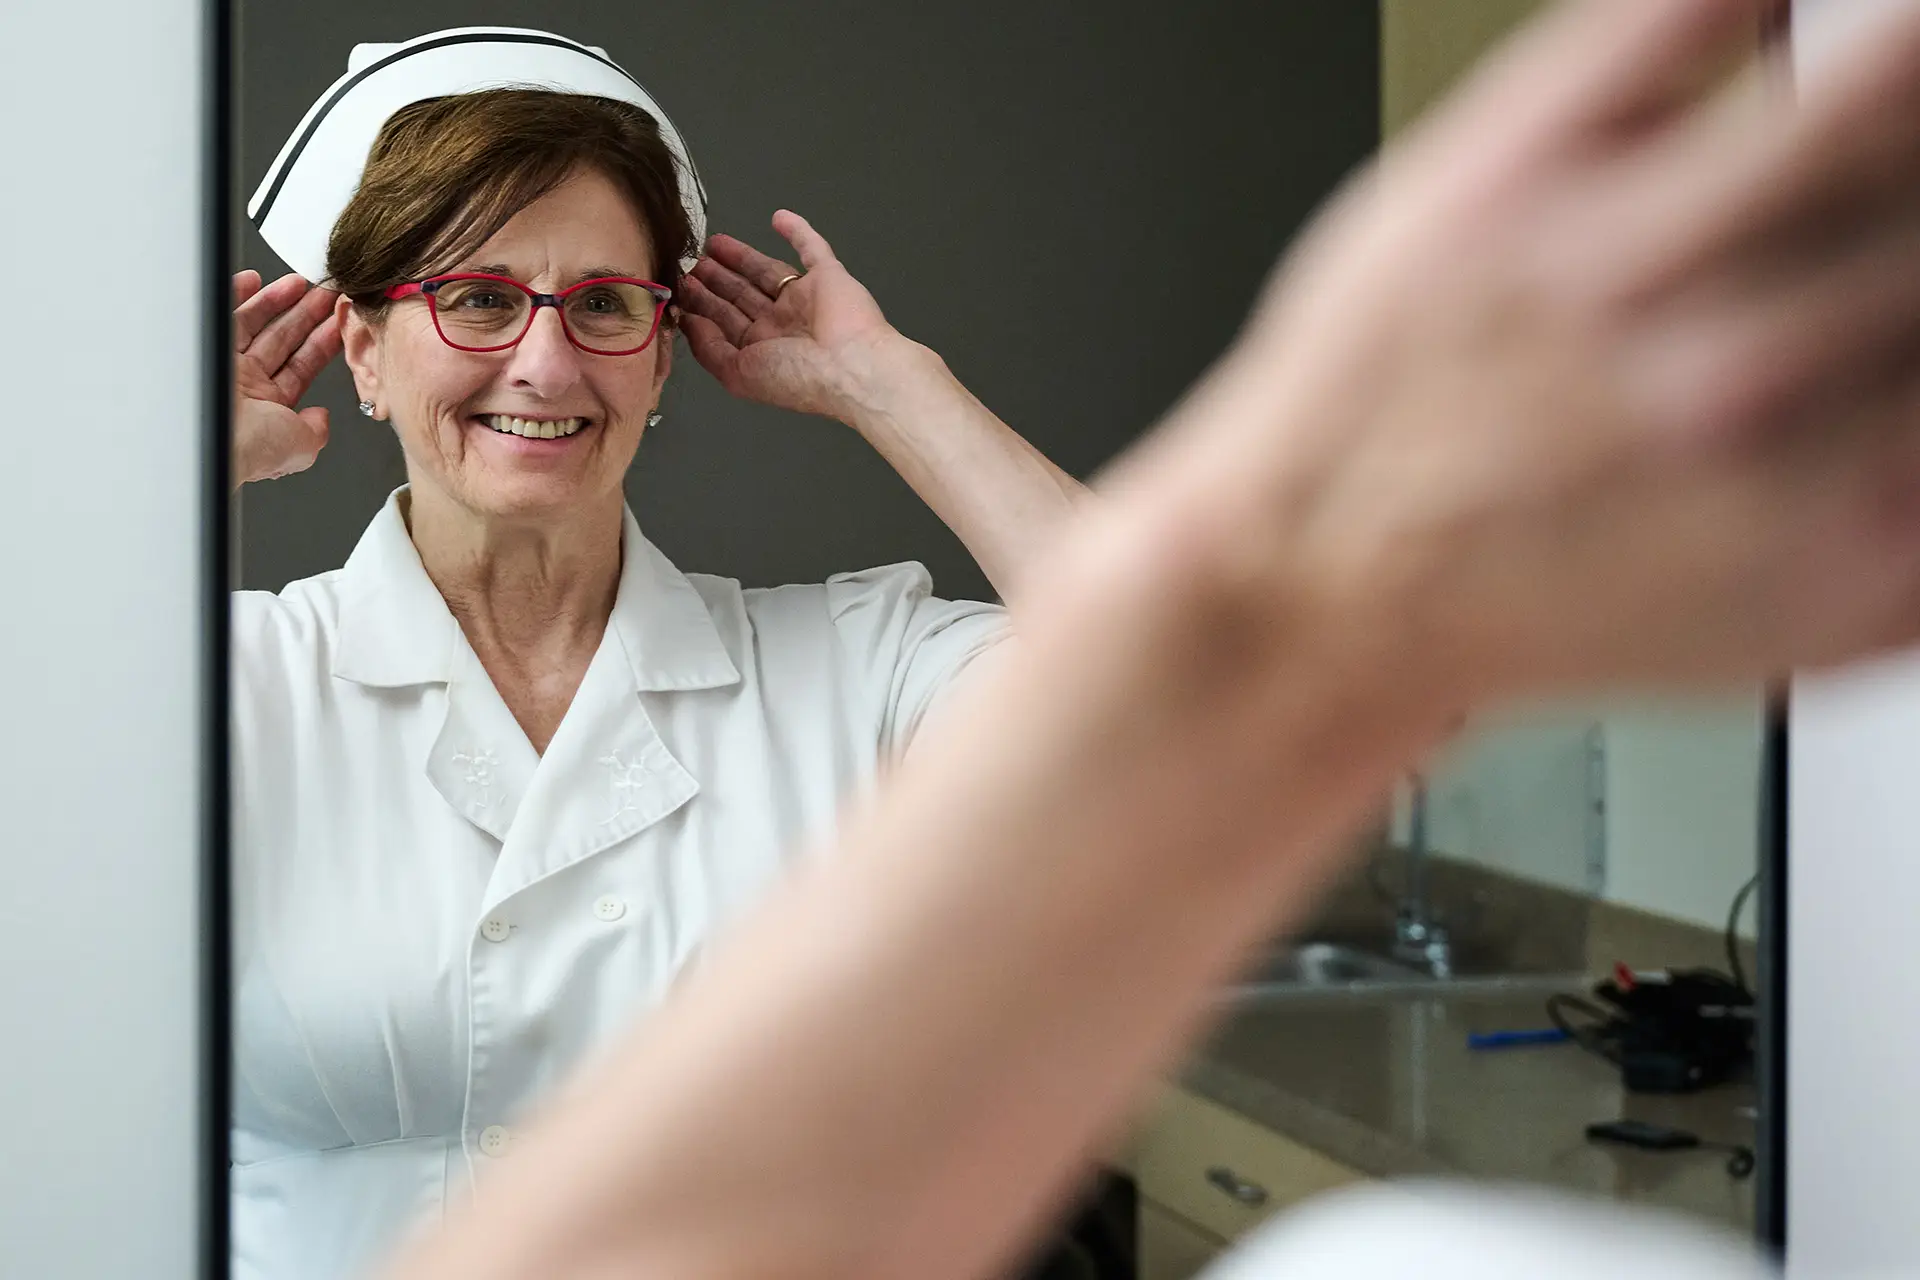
[1426, 45]
[1171, 1248]
[1221, 1172]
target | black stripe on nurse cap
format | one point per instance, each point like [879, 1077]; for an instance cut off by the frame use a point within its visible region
[319, 168]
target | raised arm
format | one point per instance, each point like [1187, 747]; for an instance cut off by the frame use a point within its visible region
[284, 334]
[820, 344]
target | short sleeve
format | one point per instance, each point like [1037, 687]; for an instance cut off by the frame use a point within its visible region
[897, 633]
[272, 645]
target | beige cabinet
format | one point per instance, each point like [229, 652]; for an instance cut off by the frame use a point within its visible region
[1427, 45]
[1172, 1248]
[1207, 1175]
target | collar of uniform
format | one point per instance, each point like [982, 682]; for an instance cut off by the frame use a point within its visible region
[396, 630]
[664, 623]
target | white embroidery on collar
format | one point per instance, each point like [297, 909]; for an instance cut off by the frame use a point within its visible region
[629, 778]
[477, 771]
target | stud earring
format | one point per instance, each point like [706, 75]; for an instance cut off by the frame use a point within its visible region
[366, 407]
[654, 419]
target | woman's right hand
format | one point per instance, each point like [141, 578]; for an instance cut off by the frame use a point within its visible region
[284, 334]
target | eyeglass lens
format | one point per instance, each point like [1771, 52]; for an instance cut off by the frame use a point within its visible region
[605, 315]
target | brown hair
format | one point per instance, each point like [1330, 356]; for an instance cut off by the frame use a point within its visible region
[447, 173]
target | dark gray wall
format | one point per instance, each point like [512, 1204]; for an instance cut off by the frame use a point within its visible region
[1074, 204]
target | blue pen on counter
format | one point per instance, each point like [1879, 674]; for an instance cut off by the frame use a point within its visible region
[1515, 1039]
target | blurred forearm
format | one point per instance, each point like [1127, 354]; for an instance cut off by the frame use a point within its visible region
[1004, 499]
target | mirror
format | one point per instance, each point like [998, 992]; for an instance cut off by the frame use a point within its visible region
[472, 839]
[1072, 208]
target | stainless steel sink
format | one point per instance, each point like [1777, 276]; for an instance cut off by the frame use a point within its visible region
[1328, 964]
[1321, 968]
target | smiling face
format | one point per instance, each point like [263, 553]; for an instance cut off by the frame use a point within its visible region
[542, 431]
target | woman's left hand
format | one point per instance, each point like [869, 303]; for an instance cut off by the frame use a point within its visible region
[810, 346]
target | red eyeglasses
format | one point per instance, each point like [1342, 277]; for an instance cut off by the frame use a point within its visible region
[604, 316]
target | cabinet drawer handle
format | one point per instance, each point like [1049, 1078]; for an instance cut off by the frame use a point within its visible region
[1251, 1194]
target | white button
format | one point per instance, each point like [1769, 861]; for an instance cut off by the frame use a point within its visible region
[495, 1139]
[609, 907]
[495, 930]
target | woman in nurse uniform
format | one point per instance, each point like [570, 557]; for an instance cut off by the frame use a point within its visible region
[498, 776]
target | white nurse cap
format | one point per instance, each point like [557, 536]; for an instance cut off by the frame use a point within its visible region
[320, 167]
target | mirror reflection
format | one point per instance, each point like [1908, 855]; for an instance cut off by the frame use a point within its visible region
[643, 428]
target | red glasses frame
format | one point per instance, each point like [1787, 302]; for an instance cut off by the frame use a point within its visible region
[427, 288]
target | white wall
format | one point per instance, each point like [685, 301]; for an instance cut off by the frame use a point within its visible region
[1515, 794]
[1683, 806]
[100, 654]
[1679, 789]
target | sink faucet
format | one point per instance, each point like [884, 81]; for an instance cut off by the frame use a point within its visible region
[1417, 937]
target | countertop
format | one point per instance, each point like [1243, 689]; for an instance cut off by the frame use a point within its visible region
[1387, 1086]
